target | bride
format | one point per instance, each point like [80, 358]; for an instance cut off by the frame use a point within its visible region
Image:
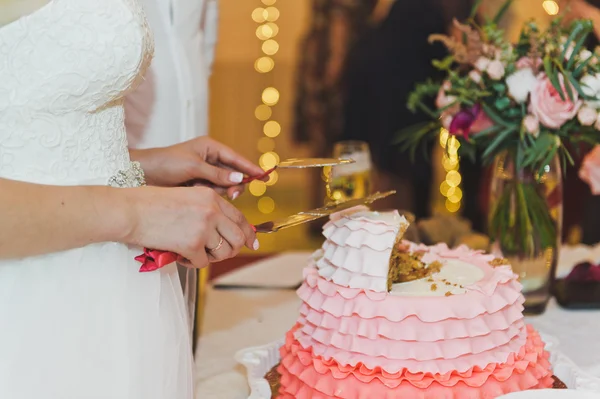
[77, 318]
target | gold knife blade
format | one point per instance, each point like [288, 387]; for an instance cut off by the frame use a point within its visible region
[309, 216]
[313, 162]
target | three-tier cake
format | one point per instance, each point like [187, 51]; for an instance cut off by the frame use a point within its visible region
[384, 318]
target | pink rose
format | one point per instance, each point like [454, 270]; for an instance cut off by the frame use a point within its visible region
[528, 62]
[548, 107]
[532, 125]
[590, 170]
[475, 76]
[482, 63]
[495, 70]
[443, 100]
[587, 115]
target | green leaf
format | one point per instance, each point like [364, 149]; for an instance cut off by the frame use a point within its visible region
[502, 103]
[577, 87]
[443, 64]
[486, 132]
[567, 86]
[502, 11]
[578, 28]
[499, 87]
[579, 69]
[495, 117]
[498, 140]
[551, 73]
[475, 8]
[468, 150]
[577, 49]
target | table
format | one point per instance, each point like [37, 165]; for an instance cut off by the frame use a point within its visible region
[237, 319]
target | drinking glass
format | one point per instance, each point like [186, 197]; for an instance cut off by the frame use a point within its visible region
[353, 180]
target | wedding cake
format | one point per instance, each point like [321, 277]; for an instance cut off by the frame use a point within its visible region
[385, 318]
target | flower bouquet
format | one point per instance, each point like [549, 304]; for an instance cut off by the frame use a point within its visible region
[527, 108]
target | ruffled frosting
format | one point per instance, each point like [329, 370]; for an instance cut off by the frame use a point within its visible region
[412, 328]
[309, 334]
[346, 278]
[339, 301]
[307, 375]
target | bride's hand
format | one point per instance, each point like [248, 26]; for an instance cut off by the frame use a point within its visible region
[200, 161]
[194, 222]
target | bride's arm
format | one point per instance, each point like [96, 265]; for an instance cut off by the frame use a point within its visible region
[37, 219]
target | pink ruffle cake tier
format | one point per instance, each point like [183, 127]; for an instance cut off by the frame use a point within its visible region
[354, 339]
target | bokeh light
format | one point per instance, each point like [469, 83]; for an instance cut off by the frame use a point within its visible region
[456, 195]
[272, 14]
[270, 47]
[259, 15]
[266, 205]
[272, 129]
[452, 207]
[269, 2]
[444, 137]
[263, 112]
[257, 188]
[273, 177]
[270, 96]
[264, 64]
[274, 29]
[264, 32]
[453, 178]
[265, 144]
[551, 7]
[268, 160]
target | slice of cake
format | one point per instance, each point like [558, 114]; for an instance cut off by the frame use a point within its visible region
[384, 318]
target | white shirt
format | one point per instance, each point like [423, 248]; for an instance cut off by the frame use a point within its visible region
[171, 105]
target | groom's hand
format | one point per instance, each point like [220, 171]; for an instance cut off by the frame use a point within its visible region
[201, 161]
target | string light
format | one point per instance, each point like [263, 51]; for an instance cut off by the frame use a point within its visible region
[266, 205]
[270, 47]
[272, 129]
[551, 7]
[270, 96]
[263, 112]
[264, 64]
[265, 144]
[266, 31]
[450, 187]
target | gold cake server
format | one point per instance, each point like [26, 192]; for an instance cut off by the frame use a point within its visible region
[309, 216]
[300, 163]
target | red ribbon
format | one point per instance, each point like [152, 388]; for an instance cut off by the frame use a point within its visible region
[152, 259]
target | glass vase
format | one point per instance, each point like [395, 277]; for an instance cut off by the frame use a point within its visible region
[525, 222]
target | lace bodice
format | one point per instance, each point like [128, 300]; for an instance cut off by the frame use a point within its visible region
[64, 70]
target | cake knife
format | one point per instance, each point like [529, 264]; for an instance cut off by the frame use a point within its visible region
[318, 213]
[300, 163]
[154, 259]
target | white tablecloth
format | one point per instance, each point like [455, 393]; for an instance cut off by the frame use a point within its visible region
[237, 319]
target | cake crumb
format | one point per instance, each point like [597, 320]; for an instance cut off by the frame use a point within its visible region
[448, 293]
[448, 283]
[403, 247]
[433, 287]
[430, 280]
[499, 262]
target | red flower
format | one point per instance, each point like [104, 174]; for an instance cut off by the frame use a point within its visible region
[468, 121]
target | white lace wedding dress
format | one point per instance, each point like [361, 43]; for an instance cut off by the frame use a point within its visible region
[84, 323]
